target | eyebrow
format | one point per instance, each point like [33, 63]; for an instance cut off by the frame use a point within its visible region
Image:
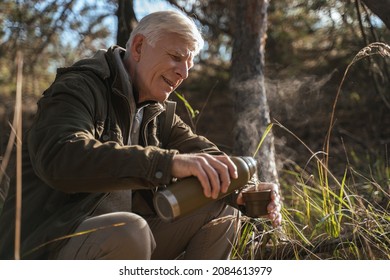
[183, 54]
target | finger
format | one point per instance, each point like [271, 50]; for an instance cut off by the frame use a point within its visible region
[268, 186]
[208, 166]
[274, 208]
[219, 175]
[215, 183]
[240, 199]
[277, 221]
[231, 166]
[275, 218]
[275, 196]
[204, 181]
[274, 204]
[272, 216]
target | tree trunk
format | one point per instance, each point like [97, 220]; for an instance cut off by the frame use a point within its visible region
[247, 85]
[381, 8]
[126, 21]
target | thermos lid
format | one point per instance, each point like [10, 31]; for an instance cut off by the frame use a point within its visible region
[166, 205]
[252, 164]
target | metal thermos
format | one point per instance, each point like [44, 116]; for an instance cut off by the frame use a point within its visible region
[184, 196]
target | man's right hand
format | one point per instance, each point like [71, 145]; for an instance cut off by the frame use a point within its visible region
[213, 172]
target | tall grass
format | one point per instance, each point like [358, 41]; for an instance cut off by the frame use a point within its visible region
[326, 216]
[15, 139]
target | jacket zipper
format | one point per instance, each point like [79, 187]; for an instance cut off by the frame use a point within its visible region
[146, 122]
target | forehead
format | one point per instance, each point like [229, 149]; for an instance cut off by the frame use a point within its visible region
[176, 45]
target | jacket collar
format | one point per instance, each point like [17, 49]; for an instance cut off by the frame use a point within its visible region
[104, 65]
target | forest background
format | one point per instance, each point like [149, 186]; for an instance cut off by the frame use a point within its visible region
[309, 47]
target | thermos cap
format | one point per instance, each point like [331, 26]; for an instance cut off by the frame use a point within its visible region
[166, 205]
[252, 164]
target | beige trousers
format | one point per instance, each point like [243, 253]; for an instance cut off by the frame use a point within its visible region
[208, 233]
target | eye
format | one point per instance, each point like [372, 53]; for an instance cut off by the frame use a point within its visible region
[175, 57]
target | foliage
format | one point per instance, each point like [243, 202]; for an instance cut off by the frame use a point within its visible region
[340, 218]
[50, 34]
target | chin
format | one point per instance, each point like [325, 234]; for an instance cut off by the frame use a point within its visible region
[163, 96]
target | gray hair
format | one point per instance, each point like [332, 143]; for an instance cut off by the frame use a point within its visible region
[155, 25]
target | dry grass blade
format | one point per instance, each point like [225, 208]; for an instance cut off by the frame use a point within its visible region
[74, 235]
[18, 123]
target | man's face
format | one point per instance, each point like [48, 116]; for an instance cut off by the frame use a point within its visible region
[159, 70]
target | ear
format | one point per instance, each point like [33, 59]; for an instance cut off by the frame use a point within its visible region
[136, 46]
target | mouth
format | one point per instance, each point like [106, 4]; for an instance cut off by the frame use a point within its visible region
[169, 82]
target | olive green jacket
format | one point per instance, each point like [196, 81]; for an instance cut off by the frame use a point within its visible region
[74, 154]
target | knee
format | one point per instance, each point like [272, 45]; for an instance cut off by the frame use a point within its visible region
[135, 228]
[132, 236]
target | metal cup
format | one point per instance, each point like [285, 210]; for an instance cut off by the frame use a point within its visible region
[256, 201]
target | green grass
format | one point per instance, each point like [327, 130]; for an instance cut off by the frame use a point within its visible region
[324, 218]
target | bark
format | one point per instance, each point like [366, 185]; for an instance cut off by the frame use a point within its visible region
[247, 85]
[381, 8]
[126, 21]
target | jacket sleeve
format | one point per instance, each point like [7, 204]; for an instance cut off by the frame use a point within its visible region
[65, 154]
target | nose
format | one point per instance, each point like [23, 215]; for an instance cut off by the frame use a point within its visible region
[182, 70]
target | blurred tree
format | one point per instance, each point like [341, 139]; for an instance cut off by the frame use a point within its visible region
[381, 8]
[247, 85]
[126, 21]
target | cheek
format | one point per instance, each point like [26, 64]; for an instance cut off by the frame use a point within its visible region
[147, 76]
[151, 73]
